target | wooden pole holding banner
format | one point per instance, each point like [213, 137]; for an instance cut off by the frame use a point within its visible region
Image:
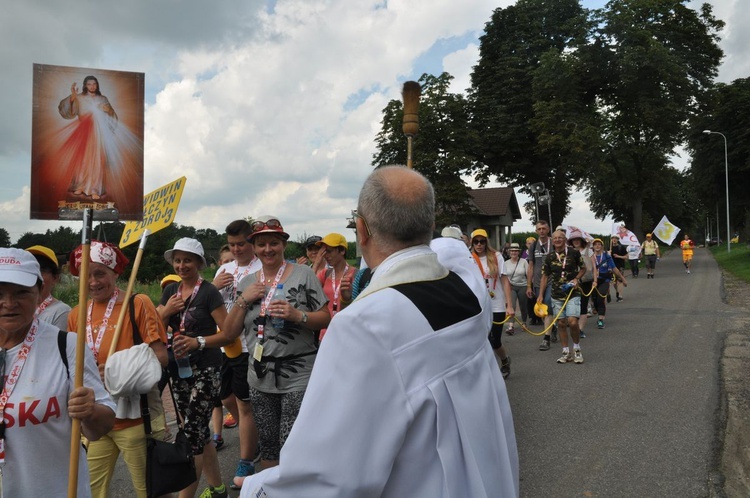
[128, 293]
[411, 93]
[83, 296]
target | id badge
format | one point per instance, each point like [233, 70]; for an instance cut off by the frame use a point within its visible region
[258, 351]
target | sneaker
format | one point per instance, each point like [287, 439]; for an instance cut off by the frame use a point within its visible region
[688, 271]
[218, 441]
[582, 335]
[505, 367]
[544, 346]
[229, 421]
[619, 299]
[577, 356]
[244, 468]
[565, 358]
[554, 333]
[214, 492]
[510, 331]
[600, 324]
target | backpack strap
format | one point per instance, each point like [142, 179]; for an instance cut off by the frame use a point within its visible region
[62, 346]
[137, 339]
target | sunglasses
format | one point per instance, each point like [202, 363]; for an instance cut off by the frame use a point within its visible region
[272, 224]
[479, 242]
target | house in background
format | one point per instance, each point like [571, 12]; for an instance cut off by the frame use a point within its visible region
[497, 211]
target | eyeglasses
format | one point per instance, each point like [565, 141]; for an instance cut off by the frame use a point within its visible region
[479, 242]
[515, 250]
[367, 227]
[272, 224]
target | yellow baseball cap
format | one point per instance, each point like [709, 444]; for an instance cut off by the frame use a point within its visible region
[169, 279]
[45, 252]
[479, 232]
[333, 240]
[597, 240]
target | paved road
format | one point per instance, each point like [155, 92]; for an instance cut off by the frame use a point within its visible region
[638, 418]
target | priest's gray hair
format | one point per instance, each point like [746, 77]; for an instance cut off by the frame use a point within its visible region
[398, 205]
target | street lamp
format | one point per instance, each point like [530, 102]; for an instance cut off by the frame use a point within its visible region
[726, 174]
[536, 189]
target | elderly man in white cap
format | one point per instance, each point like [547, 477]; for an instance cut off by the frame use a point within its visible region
[38, 398]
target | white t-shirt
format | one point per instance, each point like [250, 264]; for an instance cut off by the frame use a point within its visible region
[229, 293]
[495, 285]
[517, 272]
[37, 425]
[634, 251]
[56, 314]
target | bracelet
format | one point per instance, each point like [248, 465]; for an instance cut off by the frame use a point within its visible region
[243, 306]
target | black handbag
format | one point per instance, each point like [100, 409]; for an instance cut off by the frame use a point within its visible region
[170, 467]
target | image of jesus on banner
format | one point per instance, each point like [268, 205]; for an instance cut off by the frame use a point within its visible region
[88, 146]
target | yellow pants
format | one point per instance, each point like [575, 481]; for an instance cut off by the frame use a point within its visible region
[131, 442]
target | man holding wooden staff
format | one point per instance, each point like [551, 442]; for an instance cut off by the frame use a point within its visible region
[38, 399]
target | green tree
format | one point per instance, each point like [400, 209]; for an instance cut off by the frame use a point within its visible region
[4, 238]
[441, 149]
[659, 57]
[726, 112]
[523, 134]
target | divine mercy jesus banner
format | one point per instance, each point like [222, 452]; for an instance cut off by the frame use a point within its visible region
[87, 143]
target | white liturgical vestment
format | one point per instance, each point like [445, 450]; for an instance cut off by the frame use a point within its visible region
[406, 398]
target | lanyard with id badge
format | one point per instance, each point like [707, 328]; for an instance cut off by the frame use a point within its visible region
[258, 350]
[8, 384]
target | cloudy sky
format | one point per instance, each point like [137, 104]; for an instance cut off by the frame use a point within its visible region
[266, 107]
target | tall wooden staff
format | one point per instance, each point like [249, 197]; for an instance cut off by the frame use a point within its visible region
[83, 296]
[128, 293]
[411, 93]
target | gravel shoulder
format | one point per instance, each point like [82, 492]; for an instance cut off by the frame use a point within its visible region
[734, 464]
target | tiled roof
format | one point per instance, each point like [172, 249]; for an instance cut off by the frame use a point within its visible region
[496, 201]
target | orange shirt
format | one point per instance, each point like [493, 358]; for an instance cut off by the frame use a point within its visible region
[149, 324]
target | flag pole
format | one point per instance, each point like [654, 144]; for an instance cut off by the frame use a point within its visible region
[128, 293]
[83, 295]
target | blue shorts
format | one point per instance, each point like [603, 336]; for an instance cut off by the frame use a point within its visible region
[572, 309]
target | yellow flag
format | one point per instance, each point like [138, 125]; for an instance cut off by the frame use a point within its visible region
[666, 231]
[159, 210]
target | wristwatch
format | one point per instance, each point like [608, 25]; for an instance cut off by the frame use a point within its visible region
[201, 342]
[304, 317]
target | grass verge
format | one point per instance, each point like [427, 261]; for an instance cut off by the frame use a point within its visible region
[736, 262]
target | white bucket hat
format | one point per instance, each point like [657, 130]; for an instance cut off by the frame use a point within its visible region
[186, 244]
[19, 267]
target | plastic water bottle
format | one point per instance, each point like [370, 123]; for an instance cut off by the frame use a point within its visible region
[184, 370]
[278, 294]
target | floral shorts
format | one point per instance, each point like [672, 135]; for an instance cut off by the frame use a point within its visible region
[195, 398]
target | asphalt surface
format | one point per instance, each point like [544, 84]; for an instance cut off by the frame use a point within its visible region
[640, 417]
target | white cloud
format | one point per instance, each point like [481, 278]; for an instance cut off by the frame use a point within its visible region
[266, 107]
